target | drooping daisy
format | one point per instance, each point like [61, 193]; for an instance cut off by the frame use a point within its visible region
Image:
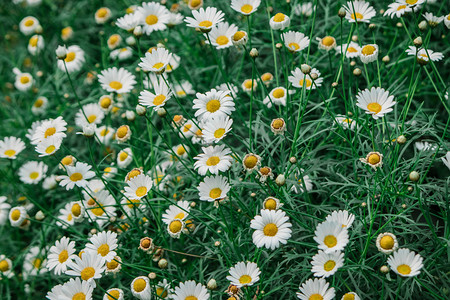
[4, 210]
[6, 267]
[48, 146]
[423, 56]
[299, 79]
[327, 43]
[446, 160]
[174, 19]
[316, 289]
[373, 159]
[161, 95]
[245, 7]
[101, 207]
[105, 134]
[342, 217]
[368, 53]
[117, 80]
[154, 17]
[397, 9]
[213, 188]
[155, 61]
[295, 41]
[128, 22]
[351, 49]
[102, 15]
[214, 159]
[23, 81]
[114, 266]
[272, 228]
[114, 294]
[331, 236]
[73, 61]
[248, 85]
[17, 216]
[376, 101]
[350, 296]
[447, 21]
[326, 264]
[405, 262]
[425, 146]
[124, 158]
[205, 19]
[35, 44]
[34, 262]
[29, 25]
[277, 96]
[10, 147]
[213, 104]
[346, 122]
[77, 175]
[221, 36]
[32, 172]
[103, 243]
[228, 87]
[302, 183]
[239, 38]
[433, 20]
[114, 41]
[163, 289]
[40, 105]
[359, 11]
[175, 228]
[49, 128]
[60, 254]
[387, 243]
[138, 187]
[183, 89]
[178, 212]
[280, 21]
[251, 162]
[306, 9]
[106, 103]
[140, 288]
[216, 129]
[272, 203]
[244, 274]
[89, 267]
[65, 217]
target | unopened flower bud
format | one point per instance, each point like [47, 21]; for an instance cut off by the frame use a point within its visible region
[152, 275]
[137, 31]
[314, 76]
[357, 72]
[414, 176]
[342, 13]
[61, 52]
[212, 284]
[372, 26]
[399, 25]
[162, 263]
[278, 45]
[293, 160]
[306, 69]
[130, 115]
[418, 41]
[386, 59]
[254, 53]
[384, 269]
[39, 216]
[88, 130]
[131, 41]
[281, 180]
[354, 38]
[217, 243]
[334, 85]
[161, 112]
[401, 139]
[423, 25]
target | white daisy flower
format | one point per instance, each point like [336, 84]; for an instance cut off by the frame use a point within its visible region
[114, 294]
[301, 183]
[272, 227]
[174, 19]
[117, 80]
[342, 217]
[397, 9]
[138, 187]
[161, 95]
[34, 262]
[106, 102]
[405, 262]
[76, 288]
[345, 122]
[40, 105]
[103, 243]
[205, 19]
[77, 175]
[17, 216]
[216, 129]
[433, 20]
[351, 49]
[154, 17]
[114, 41]
[425, 146]
[140, 288]
[248, 85]
[251, 162]
[179, 212]
[50, 182]
[32, 172]
[89, 267]
[124, 158]
[326, 43]
[105, 134]
[306, 9]
[213, 188]
[214, 159]
[173, 64]
[299, 79]
[221, 35]
[74, 59]
[163, 289]
[368, 53]
[101, 207]
[295, 41]
[359, 11]
[446, 160]
[213, 104]
[183, 89]
[4, 210]
[376, 102]
[48, 146]
[279, 22]
[128, 22]
[155, 61]
[65, 217]
[23, 81]
[228, 87]
[277, 96]
[6, 267]
[326, 264]
[109, 172]
[447, 21]
[60, 254]
[373, 159]
[102, 15]
[181, 151]
[244, 274]
[29, 25]
[315, 289]
[10, 147]
[331, 236]
[175, 228]
[350, 296]
[123, 134]
[387, 243]
[35, 44]
[48, 129]
[245, 7]
[423, 56]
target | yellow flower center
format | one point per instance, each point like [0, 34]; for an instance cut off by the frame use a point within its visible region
[330, 241]
[66, 31]
[103, 250]
[215, 193]
[24, 79]
[50, 149]
[328, 41]
[270, 229]
[293, 46]
[404, 269]
[315, 297]
[115, 85]
[222, 40]
[212, 161]
[76, 176]
[250, 162]
[134, 173]
[159, 100]
[87, 273]
[105, 102]
[400, 7]
[219, 133]
[191, 298]
[112, 265]
[158, 65]
[29, 23]
[387, 242]
[34, 175]
[151, 19]
[175, 226]
[76, 209]
[279, 17]
[351, 50]
[348, 296]
[10, 152]
[244, 279]
[161, 292]
[368, 50]
[278, 93]
[357, 16]
[113, 39]
[195, 3]
[141, 191]
[37, 263]
[411, 2]
[308, 82]
[79, 296]
[238, 35]
[49, 132]
[38, 103]
[15, 215]
[277, 124]
[139, 285]
[123, 155]
[270, 204]
[33, 41]
[4, 266]
[374, 107]
[179, 216]
[329, 265]
[213, 105]
[63, 256]
[102, 12]
[374, 159]
[205, 23]
[122, 131]
[246, 8]
[70, 56]
[181, 150]
[66, 160]
[113, 295]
